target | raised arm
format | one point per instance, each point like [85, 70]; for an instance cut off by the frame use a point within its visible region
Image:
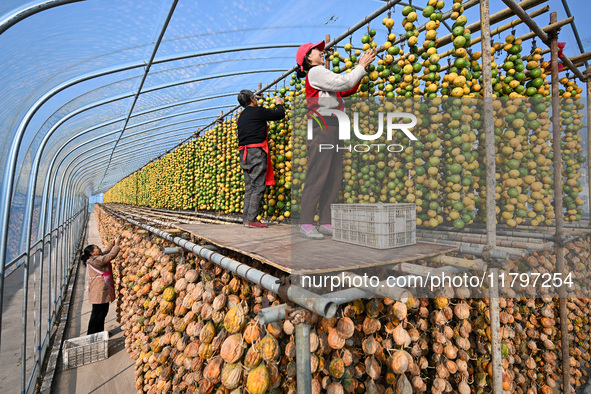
[100, 261]
[273, 114]
[322, 79]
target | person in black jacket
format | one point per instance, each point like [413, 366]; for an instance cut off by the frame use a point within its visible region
[255, 160]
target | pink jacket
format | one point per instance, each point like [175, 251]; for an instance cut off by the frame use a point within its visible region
[98, 287]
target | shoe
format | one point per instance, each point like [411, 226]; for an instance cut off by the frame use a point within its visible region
[310, 232]
[255, 225]
[325, 229]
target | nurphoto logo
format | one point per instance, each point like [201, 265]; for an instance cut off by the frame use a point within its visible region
[344, 124]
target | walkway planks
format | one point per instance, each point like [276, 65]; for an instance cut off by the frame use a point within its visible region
[280, 247]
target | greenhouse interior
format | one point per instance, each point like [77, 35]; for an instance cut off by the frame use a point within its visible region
[137, 202]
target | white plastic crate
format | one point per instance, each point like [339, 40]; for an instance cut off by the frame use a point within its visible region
[379, 226]
[85, 350]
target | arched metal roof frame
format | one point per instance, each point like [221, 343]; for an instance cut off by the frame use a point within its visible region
[50, 180]
[35, 168]
[30, 10]
[73, 201]
[33, 173]
[52, 263]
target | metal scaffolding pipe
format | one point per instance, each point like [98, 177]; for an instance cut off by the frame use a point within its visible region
[347, 295]
[172, 215]
[513, 23]
[197, 215]
[514, 234]
[304, 370]
[566, 62]
[558, 208]
[547, 29]
[589, 142]
[538, 31]
[311, 301]
[383, 289]
[420, 270]
[272, 314]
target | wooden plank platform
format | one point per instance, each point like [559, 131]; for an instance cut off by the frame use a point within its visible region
[281, 247]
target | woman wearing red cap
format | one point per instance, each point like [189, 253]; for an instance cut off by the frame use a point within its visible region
[324, 89]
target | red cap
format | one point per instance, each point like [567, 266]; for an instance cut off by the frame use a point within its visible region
[303, 50]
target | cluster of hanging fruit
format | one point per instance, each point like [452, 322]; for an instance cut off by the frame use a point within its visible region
[442, 172]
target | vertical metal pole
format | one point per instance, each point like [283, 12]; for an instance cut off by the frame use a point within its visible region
[304, 371]
[588, 83]
[60, 256]
[42, 259]
[491, 214]
[68, 224]
[40, 308]
[24, 322]
[66, 240]
[56, 270]
[68, 260]
[559, 236]
[50, 257]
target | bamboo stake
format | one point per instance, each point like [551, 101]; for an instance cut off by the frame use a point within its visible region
[491, 219]
[578, 60]
[326, 59]
[549, 28]
[559, 240]
[589, 141]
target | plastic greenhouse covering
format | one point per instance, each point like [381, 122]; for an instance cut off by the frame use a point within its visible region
[93, 90]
